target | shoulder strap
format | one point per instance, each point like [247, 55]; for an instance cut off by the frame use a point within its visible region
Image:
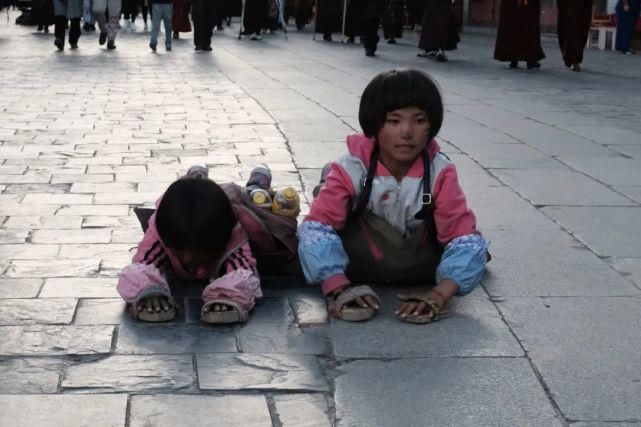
[363, 198]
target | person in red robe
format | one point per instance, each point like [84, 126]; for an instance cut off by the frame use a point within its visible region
[519, 33]
[573, 26]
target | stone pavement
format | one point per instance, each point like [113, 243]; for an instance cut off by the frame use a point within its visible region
[550, 160]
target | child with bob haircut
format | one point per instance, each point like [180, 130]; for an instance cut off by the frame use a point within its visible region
[195, 232]
[392, 210]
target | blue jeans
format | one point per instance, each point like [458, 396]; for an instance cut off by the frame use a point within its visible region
[161, 11]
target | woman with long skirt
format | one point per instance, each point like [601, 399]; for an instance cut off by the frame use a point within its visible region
[519, 33]
[42, 14]
[573, 26]
[393, 21]
[255, 17]
[329, 16]
[627, 12]
[180, 17]
[439, 32]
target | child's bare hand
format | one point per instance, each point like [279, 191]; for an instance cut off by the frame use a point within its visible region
[367, 301]
[417, 308]
[154, 304]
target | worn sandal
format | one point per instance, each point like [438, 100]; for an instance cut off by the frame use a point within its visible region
[154, 316]
[337, 306]
[437, 312]
[237, 314]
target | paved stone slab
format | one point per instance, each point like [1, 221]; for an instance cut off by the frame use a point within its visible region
[444, 391]
[630, 268]
[606, 134]
[613, 169]
[137, 338]
[28, 251]
[56, 410]
[570, 188]
[51, 340]
[101, 311]
[52, 268]
[309, 310]
[57, 311]
[29, 375]
[474, 328]
[283, 338]
[71, 236]
[164, 410]
[302, 410]
[85, 287]
[259, 372]
[13, 236]
[19, 288]
[158, 373]
[510, 156]
[605, 230]
[558, 334]
[38, 222]
[551, 263]
[272, 310]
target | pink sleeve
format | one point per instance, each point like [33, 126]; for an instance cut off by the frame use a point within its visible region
[137, 277]
[150, 249]
[332, 204]
[452, 216]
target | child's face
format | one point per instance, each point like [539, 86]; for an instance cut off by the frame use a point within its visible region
[403, 136]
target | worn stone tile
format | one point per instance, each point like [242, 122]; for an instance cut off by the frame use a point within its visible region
[93, 210]
[38, 222]
[570, 188]
[161, 373]
[101, 311]
[71, 236]
[110, 187]
[560, 334]
[259, 372]
[137, 338]
[29, 375]
[37, 311]
[551, 263]
[309, 309]
[18, 209]
[607, 135]
[13, 236]
[70, 287]
[109, 221]
[505, 391]
[49, 340]
[473, 329]
[630, 268]
[66, 178]
[605, 230]
[52, 268]
[257, 337]
[612, 170]
[19, 288]
[302, 410]
[58, 410]
[28, 251]
[58, 199]
[36, 188]
[272, 310]
[166, 410]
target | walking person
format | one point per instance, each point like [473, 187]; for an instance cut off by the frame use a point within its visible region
[573, 26]
[180, 17]
[328, 18]
[109, 25]
[160, 11]
[438, 31]
[87, 16]
[393, 21]
[67, 12]
[42, 14]
[255, 18]
[627, 12]
[519, 33]
[203, 13]
[130, 11]
[369, 14]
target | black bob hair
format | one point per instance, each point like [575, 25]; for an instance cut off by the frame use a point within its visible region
[395, 89]
[195, 214]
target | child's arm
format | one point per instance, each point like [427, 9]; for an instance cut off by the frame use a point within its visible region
[464, 258]
[240, 281]
[143, 273]
[320, 249]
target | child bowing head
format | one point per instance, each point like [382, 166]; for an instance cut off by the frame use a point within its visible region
[391, 210]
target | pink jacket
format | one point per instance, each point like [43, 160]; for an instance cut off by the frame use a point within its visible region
[233, 276]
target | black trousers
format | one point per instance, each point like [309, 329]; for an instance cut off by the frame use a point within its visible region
[203, 13]
[370, 33]
[60, 23]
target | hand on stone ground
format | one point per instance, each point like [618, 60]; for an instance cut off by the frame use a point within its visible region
[154, 304]
[416, 308]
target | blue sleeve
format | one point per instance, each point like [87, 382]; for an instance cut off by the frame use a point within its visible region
[321, 251]
[464, 262]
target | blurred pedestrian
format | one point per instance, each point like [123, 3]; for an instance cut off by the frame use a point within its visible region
[573, 26]
[87, 16]
[329, 18]
[519, 33]
[627, 12]
[67, 12]
[438, 31]
[393, 20]
[203, 13]
[180, 17]
[42, 14]
[255, 18]
[160, 11]
[108, 24]
[368, 15]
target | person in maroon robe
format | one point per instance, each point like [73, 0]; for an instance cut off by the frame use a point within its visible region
[180, 17]
[519, 33]
[573, 26]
